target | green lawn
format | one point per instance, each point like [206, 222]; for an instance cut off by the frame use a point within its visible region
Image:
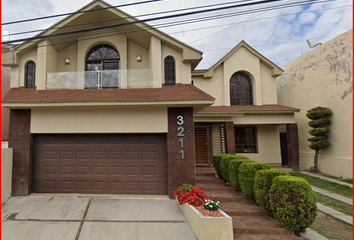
[335, 204]
[332, 228]
[329, 186]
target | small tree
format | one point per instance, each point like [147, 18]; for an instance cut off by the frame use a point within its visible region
[319, 122]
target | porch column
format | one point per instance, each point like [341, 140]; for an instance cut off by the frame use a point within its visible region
[180, 148]
[21, 140]
[230, 137]
[293, 146]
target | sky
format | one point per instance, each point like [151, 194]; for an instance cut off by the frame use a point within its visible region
[280, 34]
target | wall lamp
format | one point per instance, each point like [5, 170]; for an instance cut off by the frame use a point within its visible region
[139, 58]
[67, 61]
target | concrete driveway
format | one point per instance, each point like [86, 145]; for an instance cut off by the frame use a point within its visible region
[93, 218]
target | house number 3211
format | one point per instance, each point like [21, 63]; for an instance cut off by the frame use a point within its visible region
[180, 133]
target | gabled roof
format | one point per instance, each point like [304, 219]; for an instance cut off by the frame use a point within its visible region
[276, 71]
[99, 18]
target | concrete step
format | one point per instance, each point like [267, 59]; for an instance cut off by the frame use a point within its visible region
[226, 196]
[205, 171]
[215, 187]
[258, 225]
[209, 179]
[242, 208]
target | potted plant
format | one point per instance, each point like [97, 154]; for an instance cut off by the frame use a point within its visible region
[207, 221]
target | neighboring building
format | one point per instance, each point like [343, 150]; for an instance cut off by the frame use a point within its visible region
[115, 110]
[5, 87]
[323, 77]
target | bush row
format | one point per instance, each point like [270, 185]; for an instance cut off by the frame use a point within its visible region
[288, 199]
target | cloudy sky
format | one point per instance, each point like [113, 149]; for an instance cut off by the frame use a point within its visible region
[278, 34]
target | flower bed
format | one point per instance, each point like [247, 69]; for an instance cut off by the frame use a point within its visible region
[206, 224]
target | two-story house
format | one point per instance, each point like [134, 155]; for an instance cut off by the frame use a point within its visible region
[117, 106]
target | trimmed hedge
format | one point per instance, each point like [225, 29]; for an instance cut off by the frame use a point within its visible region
[262, 183]
[224, 165]
[247, 173]
[234, 172]
[216, 163]
[293, 202]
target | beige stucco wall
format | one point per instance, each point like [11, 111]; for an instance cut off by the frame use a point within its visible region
[133, 51]
[99, 120]
[268, 145]
[323, 77]
[47, 59]
[213, 86]
[269, 89]
[71, 53]
[264, 118]
[6, 173]
[264, 85]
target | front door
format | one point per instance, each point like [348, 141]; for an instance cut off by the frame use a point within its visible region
[203, 144]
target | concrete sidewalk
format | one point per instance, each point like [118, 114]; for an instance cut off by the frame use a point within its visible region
[327, 179]
[333, 195]
[92, 218]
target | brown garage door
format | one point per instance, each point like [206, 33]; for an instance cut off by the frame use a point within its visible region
[97, 163]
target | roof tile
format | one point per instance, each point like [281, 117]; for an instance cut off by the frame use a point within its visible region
[179, 92]
[244, 108]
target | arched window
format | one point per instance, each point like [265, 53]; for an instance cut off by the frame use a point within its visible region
[170, 72]
[241, 92]
[104, 62]
[30, 74]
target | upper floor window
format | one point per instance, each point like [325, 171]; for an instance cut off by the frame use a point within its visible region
[30, 74]
[170, 71]
[102, 64]
[241, 90]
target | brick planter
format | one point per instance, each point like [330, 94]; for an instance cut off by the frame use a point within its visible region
[208, 228]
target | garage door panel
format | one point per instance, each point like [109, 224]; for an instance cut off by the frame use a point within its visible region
[121, 164]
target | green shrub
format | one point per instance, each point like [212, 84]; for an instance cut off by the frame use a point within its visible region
[293, 202]
[216, 163]
[323, 122]
[318, 112]
[247, 173]
[234, 172]
[185, 187]
[224, 165]
[319, 131]
[262, 183]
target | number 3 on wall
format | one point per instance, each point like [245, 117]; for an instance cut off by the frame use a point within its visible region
[180, 120]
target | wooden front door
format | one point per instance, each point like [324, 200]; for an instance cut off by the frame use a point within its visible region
[203, 144]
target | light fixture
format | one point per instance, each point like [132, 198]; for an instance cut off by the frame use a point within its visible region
[139, 58]
[67, 61]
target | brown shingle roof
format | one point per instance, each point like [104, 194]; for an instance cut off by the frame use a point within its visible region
[179, 92]
[245, 108]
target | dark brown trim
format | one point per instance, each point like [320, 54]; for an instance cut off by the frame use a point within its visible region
[293, 146]
[230, 138]
[21, 140]
[180, 170]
